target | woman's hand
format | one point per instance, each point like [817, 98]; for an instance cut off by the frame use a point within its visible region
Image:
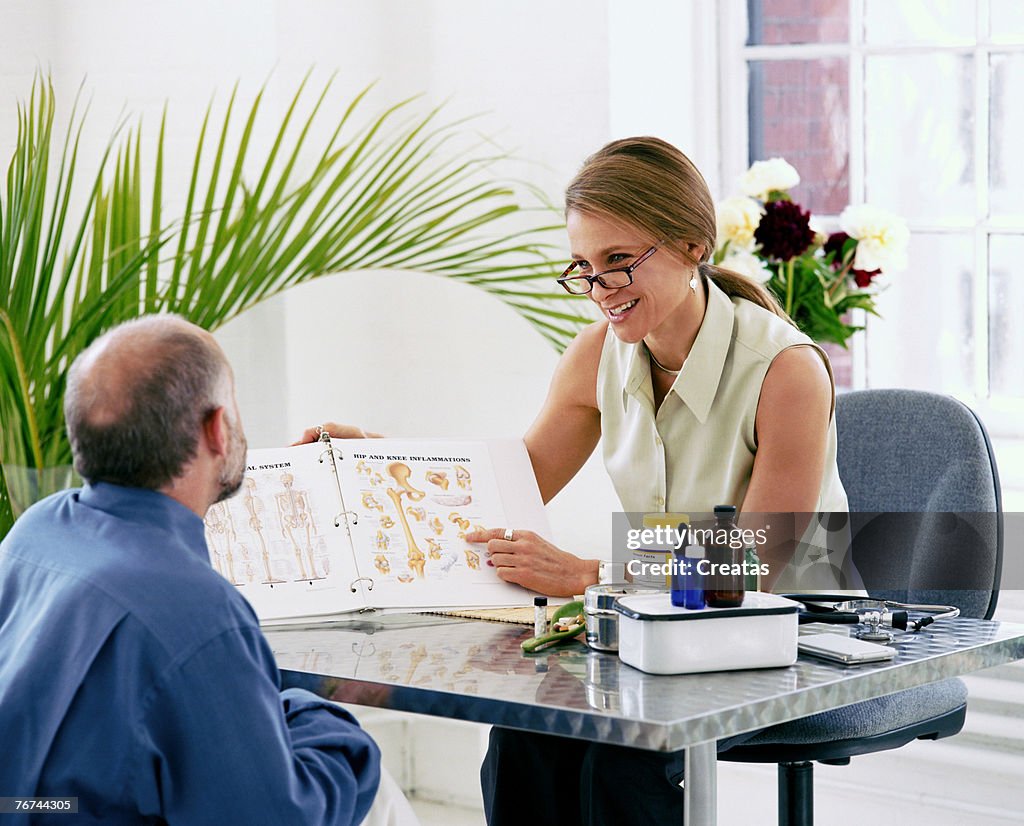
[337, 431]
[535, 563]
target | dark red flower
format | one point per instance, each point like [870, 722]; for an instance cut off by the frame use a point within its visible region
[784, 231]
[864, 277]
[835, 244]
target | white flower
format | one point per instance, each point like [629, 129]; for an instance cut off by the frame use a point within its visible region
[882, 238]
[737, 219]
[748, 264]
[763, 177]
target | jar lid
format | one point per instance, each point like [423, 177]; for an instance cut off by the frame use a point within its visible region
[665, 520]
[602, 597]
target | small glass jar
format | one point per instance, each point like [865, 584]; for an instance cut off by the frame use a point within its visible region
[724, 586]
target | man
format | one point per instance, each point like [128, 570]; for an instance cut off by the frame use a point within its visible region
[133, 676]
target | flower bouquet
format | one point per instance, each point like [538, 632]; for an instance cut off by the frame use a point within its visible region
[817, 278]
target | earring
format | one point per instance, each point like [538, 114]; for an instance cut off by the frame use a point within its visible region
[693, 284]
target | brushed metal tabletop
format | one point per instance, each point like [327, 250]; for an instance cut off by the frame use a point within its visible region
[475, 670]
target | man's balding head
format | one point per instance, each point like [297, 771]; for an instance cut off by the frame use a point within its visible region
[137, 398]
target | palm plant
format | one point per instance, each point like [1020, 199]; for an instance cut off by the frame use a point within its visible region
[392, 193]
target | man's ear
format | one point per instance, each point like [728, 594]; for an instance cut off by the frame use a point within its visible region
[215, 432]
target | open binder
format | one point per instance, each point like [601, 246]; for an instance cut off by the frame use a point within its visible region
[345, 525]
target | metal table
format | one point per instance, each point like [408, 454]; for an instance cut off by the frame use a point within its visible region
[474, 670]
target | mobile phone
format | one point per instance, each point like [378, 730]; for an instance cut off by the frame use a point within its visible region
[843, 649]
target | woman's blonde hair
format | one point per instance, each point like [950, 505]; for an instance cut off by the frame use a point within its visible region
[649, 184]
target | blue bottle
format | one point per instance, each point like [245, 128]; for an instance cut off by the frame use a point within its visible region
[693, 595]
[687, 581]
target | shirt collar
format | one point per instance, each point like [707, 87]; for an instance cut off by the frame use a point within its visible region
[148, 507]
[697, 383]
[638, 374]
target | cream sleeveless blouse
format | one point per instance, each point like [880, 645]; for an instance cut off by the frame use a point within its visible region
[698, 450]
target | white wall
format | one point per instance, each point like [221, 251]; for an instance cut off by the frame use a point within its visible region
[663, 77]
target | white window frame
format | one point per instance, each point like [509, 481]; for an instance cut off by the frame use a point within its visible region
[1004, 417]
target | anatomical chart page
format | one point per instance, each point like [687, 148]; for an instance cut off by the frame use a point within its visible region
[277, 539]
[415, 501]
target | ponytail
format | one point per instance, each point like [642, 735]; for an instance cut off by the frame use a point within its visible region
[735, 285]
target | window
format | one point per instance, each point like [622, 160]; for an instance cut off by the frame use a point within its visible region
[908, 105]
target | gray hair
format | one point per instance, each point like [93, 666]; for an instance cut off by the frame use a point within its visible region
[136, 400]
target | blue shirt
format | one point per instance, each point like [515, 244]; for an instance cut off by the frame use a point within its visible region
[135, 677]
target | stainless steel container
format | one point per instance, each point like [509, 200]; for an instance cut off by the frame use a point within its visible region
[602, 619]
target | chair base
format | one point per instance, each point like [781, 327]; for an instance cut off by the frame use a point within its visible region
[796, 770]
[796, 794]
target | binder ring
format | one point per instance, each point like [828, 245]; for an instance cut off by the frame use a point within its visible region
[352, 584]
[337, 454]
[339, 517]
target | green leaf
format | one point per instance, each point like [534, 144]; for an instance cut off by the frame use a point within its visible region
[6, 513]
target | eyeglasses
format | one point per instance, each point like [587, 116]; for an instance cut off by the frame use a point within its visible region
[612, 279]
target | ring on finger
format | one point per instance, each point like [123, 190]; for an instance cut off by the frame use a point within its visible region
[508, 536]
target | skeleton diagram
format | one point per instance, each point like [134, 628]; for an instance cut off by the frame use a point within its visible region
[400, 472]
[221, 529]
[253, 506]
[296, 516]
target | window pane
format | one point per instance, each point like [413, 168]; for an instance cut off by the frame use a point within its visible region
[918, 115]
[1006, 297]
[799, 110]
[919, 21]
[1006, 125]
[1007, 21]
[797, 21]
[925, 337]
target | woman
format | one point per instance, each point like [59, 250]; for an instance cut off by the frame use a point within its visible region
[702, 391]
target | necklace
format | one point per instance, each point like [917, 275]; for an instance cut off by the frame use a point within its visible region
[659, 365]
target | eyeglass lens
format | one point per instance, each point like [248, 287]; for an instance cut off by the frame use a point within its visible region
[611, 280]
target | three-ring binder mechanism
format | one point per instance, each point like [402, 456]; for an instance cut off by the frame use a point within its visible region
[331, 452]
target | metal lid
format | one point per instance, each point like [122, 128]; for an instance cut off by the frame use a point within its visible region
[664, 520]
[659, 607]
[602, 597]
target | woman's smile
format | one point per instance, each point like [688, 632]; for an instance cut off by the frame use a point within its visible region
[617, 313]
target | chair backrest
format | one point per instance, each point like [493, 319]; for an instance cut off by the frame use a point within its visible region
[925, 502]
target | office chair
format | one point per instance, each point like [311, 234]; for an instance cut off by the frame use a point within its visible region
[908, 461]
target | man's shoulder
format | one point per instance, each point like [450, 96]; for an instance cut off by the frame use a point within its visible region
[156, 577]
[185, 605]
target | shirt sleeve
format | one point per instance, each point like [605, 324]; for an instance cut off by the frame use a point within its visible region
[218, 743]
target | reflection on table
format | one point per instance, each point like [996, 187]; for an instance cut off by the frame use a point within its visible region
[475, 670]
